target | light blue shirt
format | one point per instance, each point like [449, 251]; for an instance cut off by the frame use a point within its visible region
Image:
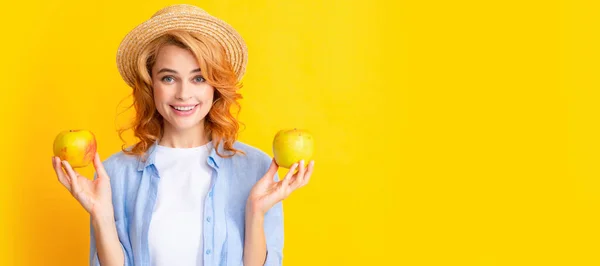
[134, 184]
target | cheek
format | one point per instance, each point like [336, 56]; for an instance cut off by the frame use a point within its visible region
[210, 94]
[159, 96]
[208, 100]
[159, 100]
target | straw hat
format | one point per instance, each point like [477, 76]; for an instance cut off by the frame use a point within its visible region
[180, 17]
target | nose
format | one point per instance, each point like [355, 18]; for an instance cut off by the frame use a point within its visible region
[184, 91]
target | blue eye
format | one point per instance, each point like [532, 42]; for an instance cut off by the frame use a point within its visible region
[167, 77]
[199, 79]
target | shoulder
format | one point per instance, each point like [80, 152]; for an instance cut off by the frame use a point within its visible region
[253, 160]
[251, 153]
[120, 163]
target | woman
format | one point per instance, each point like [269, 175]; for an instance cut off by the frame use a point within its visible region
[187, 193]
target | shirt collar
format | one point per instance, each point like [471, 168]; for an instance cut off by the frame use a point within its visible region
[214, 160]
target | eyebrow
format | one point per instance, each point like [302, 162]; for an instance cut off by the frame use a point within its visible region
[173, 71]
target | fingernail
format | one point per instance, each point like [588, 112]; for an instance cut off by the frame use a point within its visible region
[302, 162]
[312, 162]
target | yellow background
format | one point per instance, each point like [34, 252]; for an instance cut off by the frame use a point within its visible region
[448, 132]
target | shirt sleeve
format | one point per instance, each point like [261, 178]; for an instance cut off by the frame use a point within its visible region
[273, 224]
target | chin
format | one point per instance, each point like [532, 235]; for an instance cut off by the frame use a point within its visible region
[184, 124]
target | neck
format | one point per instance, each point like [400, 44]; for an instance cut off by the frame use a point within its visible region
[188, 138]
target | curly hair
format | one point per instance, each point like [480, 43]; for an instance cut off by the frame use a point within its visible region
[220, 123]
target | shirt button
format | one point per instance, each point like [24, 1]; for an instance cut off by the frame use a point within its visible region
[210, 194]
[208, 219]
[208, 252]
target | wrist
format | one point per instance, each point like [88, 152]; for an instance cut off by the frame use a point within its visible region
[102, 219]
[254, 214]
[253, 209]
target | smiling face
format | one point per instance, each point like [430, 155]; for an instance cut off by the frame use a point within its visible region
[181, 94]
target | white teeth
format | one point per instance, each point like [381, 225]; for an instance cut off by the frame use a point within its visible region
[183, 108]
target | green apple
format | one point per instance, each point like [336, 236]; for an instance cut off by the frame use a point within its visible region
[292, 145]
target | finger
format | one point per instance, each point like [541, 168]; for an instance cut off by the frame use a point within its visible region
[289, 179]
[309, 172]
[286, 181]
[268, 178]
[101, 172]
[272, 170]
[62, 178]
[73, 178]
[299, 176]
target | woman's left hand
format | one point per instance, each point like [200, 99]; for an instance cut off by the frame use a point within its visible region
[268, 192]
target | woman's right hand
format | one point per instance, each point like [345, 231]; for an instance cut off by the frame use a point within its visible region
[94, 195]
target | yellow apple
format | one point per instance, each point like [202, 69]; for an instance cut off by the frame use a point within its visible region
[292, 145]
[77, 147]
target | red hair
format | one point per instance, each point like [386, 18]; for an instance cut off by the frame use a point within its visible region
[220, 123]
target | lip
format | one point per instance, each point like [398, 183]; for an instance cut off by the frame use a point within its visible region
[184, 105]
[184, 113]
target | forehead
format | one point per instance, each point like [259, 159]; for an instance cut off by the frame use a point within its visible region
[176, 58]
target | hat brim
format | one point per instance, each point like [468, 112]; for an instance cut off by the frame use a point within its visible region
[207, 25]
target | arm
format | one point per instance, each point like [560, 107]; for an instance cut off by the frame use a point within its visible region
[108, 237]
[263, 243]
[255, 247]
[106, 249]
[96, 198]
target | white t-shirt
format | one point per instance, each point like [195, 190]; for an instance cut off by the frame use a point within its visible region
[175, 234]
